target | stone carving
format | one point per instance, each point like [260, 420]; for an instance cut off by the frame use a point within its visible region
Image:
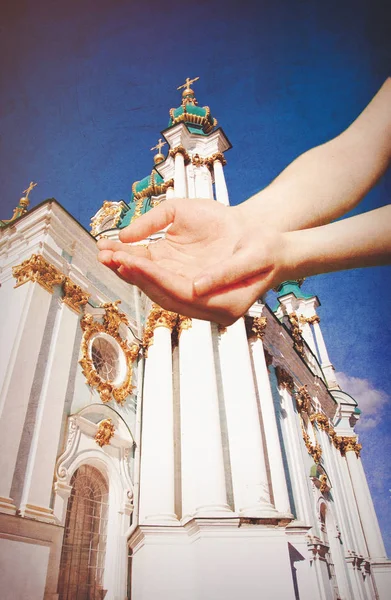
[303, 400]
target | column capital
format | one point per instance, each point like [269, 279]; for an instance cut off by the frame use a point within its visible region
[39, 270]
[216, 156]
[255, 326]
[284, 380]
[347, 444]
[158, 317]
[180, 150]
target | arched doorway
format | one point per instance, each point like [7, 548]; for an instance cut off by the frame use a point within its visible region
[84, 543]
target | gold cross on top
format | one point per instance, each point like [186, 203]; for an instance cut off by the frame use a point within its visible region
[159, 145]
[188, 83]
[30, 187]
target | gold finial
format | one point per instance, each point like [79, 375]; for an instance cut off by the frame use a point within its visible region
[22, 207]
[186, 85]
[159, 156]
[30, 187]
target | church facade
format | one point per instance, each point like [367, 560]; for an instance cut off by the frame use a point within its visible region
[146, 455]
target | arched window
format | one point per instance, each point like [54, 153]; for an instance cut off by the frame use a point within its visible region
[84, 544]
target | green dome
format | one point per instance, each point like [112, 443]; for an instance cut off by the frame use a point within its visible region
[197, 118]
[292, 286]
[141, 200]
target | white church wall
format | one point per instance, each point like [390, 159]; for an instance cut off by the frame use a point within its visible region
[30, 562]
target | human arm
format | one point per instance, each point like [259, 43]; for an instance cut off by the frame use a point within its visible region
[329, 180]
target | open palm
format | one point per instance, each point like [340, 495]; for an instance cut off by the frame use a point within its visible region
[205, 240]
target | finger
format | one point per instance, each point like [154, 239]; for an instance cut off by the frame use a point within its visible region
[237, 268]
[115, 246]
[151, 222]
[170, 282]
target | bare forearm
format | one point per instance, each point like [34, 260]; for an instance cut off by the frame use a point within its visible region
[360, 241]
[329, 180]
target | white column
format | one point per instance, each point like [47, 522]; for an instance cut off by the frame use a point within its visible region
[180, 176]
[170, 192]
[203, 477]
[249, 477]
[15, 393]
[325, 363]
[220, 184]
[300, 479]
[307, 335]
[157, 495]
[366, 511]
[38, 484]
[280, 491]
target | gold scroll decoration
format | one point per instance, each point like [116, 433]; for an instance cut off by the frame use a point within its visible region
[298, 342]
[39, 270]
[105, 432]
[181, 150]
[109, 209]
[303, 400]
[112, 320]
[74, 296]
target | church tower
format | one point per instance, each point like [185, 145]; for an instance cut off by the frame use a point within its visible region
[148, 455]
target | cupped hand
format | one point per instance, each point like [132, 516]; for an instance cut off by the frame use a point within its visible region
[213, 263]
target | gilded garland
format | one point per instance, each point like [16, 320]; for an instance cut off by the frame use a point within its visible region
[255, 326]
[112, 320]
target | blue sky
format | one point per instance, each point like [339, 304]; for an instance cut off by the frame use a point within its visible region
[85, 91]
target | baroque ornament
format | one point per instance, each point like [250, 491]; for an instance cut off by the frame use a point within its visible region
[159, 317]
[303, 400]
[180, 150]
[321, 420]
[105, 432]
[313, 449]
[298, 342]
[112, 320]
[74, 295]
[284, 379]
[255, 326]
[109, 210]
[37, 269]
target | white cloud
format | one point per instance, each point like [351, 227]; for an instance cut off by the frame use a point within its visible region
[370, 400]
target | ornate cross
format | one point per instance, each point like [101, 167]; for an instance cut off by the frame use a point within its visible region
[188, 83]
[159, 145]
[30, 187]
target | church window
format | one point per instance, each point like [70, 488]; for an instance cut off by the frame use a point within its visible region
[106, 357]
[84, 544]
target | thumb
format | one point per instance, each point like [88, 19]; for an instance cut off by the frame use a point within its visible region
[151, 222]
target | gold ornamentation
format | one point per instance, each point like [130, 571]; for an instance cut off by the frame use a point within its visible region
[309, 320]
[105, 432]
[197, 160]
[216, 156]
[187, 85]
[324, 487]
[313, 449]
[180, 150]
[158, 317]
[159, 157]
[321, 420]
[109, 209]
[303, 400]
[74, 296]
[255, 326]
[37, 269]
[112, 320]
[181, 324]
[298, 342]
[346, 444]
[284, 379]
